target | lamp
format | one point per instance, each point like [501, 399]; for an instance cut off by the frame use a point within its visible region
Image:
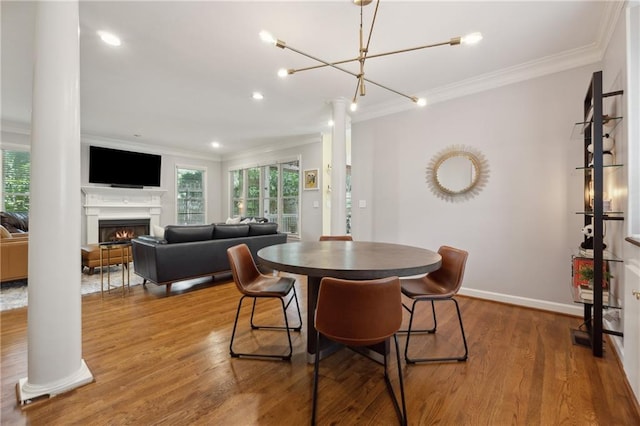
[363, 55]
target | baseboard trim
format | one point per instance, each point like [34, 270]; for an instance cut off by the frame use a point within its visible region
[545, 305]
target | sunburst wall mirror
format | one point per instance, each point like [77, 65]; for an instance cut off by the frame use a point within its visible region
[457, 173]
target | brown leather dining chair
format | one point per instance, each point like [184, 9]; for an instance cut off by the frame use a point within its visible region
[336, 238]
[440, 285]
[359, 314]
[255, 285]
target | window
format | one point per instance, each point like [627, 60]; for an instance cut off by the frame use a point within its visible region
[16, 168]
[271, 191]
[190, 196]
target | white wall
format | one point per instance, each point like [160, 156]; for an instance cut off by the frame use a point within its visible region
[310, 154]
[521, 229]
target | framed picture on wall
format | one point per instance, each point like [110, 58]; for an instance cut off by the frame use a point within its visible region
[311, 178]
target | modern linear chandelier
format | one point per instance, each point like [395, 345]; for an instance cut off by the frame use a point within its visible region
[363, 55]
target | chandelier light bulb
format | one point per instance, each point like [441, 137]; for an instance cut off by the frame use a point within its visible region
[267, 37]
[421, 102]
[110, 39]
[472, 38]
[283, 72]
[353, 107]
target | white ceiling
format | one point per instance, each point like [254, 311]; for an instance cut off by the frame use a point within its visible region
[184, 74]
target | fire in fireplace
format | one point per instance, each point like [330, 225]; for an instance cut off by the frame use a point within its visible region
[122, 229]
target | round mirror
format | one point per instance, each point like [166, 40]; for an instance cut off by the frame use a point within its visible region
[457, 173]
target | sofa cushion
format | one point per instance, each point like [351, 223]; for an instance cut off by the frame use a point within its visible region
[157, 231]
[263, 228]
[186, 233]
[230, 231]
[4, 233]
[15, 221]
[253, 219]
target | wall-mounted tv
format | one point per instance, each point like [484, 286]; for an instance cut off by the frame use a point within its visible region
[123, 168]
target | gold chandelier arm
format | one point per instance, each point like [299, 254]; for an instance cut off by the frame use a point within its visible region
[329, 64]
[412, 98]
[346, 61]
[326, 63]
[373, 21]
[453, 42]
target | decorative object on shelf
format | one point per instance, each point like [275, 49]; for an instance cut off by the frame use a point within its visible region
[586, 274]
[588, 242]
[583, 272]
[311, 179]
[607, 144]
[363, 55]
[457, 173]
[586, 293]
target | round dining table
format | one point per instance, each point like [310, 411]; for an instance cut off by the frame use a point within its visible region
[352, 260]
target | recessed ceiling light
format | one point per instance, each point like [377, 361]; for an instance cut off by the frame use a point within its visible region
[109, 38]
[257, 96]
[215, 144]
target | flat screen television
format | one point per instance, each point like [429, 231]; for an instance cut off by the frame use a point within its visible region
[123, 168]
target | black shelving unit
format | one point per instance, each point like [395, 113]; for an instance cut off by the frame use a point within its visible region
[593, 133]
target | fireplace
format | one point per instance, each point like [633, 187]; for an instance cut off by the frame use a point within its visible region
[122, 229]
[106, 203]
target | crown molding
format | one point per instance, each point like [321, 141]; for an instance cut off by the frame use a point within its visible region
[16, 127]
[24, 129]
[275, 145]
[563, 61]
[523, 72]
[144, 147]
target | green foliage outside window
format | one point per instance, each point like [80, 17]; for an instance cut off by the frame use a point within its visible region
[190, 197]
[267, 189]
[16, 175]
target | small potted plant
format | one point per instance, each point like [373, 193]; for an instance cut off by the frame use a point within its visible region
[586, 273]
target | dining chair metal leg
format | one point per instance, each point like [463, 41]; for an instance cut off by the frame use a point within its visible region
[413, 307]
[294, 297]
[437, 359]
[316, 368]
[402, 413]
[286, 357]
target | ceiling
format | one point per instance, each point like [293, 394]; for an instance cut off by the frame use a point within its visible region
[185, 71]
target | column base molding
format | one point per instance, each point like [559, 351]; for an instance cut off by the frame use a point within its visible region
[28, 393]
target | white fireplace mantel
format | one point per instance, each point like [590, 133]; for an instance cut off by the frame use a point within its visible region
[103, 202]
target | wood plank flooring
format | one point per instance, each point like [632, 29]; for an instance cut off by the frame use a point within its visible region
[165, 360]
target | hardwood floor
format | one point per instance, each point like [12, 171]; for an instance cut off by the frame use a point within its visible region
[159, 360]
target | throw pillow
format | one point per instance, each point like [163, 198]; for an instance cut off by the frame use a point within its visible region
[233, 220]
[157, 231]
[4, 233]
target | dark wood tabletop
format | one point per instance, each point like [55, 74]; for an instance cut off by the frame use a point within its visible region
[356, 260]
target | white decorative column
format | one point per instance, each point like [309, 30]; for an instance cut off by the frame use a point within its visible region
[55, 363]
[339, 168]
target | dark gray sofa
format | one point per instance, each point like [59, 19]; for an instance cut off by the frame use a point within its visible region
[193, 251]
